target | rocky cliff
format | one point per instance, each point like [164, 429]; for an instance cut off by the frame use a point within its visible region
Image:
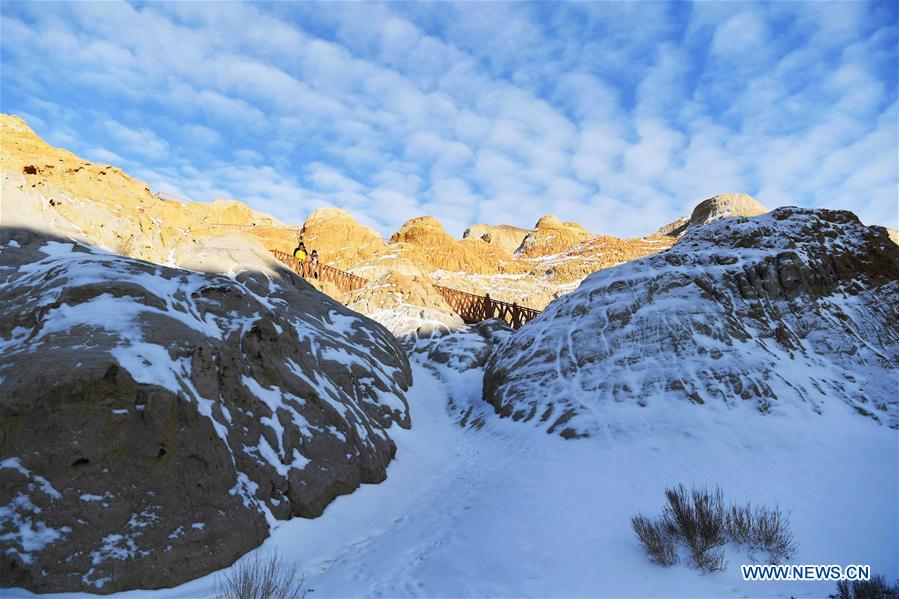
[409, 306]
[505, 237]
[156, 422]
[340, 240]
[712, 209]
[425, 241]
[45, 188]
[794, 310]
[551, 236]
[49, 189]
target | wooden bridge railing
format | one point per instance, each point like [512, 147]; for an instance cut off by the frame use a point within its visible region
[343, 280]
[475, 308]
[470, 307]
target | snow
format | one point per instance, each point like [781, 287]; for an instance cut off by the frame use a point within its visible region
[92, 497]
[144, 519]
[115, 546]
[29, 533]
[343, 323]
[19, 523]
[686, 327]
[46, 487]
[405, 320]
[507, 510]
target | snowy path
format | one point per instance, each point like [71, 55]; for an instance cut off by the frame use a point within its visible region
[509, 511]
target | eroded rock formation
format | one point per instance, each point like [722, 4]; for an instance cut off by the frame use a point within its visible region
[155, 422]
[720, 206]
[792, 310]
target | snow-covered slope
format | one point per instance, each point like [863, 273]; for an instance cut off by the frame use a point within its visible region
[792, 311]
[499, 511]
[155, 423]
[458, 358]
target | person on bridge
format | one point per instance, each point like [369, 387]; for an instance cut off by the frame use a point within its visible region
[313, 260]
[300, 252]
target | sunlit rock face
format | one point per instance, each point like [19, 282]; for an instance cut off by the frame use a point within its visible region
[792, 311]
[720, 206]
[155, 422]
[339, 239]
[506, 237]
[50, 189]
[408, 306]
[551, 236]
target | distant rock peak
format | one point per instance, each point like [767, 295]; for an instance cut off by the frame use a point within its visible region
[715, 208]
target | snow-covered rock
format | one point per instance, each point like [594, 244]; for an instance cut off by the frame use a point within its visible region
[408, 306]
[462, 354]
[466, 348]
[155, 423]
[792, 311]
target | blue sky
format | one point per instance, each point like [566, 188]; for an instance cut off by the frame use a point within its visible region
[621, 116]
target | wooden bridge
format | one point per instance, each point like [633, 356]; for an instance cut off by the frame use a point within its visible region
[475, 308]
[470, 307]
[345, 281]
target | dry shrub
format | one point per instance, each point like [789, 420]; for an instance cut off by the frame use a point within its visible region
[656, 540]
[771, 532]
[703, 524]
[261, 577]
[739, 524]
[876, 588]
[698, 519]
[762, 528]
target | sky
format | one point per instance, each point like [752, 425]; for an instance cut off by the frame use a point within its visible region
[620, 116]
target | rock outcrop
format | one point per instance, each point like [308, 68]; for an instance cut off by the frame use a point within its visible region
[49, 189]
[409, 306]
[596, 253]
[712, 209]
[341, 241]
[551, 236]
[893, 234]
[505, 237]
[794, 310]
[424, 240]
[156, 422]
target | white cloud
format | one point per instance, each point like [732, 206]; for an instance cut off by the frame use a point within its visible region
[103, 155]
[619, 115]
[140, 142]
[325, 178]
[202, 136]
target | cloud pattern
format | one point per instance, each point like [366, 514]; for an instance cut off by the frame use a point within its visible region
[620, 116]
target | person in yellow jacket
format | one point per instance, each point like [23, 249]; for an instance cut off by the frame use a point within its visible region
[300, 252]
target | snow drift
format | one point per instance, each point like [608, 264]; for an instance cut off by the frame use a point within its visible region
[156, 422]
[792, 310]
